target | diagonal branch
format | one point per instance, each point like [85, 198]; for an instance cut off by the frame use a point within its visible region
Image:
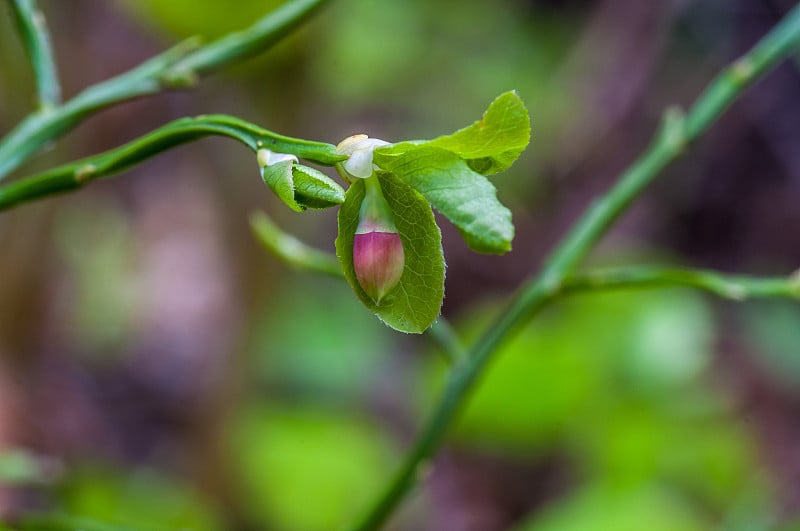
[677, 132]
[33, 30]
[77, 174]
[179, 67]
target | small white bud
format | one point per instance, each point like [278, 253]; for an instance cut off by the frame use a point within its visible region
[359, 150]
[268, 158]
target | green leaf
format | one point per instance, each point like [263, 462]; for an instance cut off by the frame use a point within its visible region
[463, 196]
[302, 187]
[279, 178]
[491, 144]
[314, 189]
[415, 303]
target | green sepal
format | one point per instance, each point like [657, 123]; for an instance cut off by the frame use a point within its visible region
[463, 196]
[302, 187]
[414, 304]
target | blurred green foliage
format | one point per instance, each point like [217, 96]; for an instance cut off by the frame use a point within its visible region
[20, 466]
[97, 252]
[61, 522]
[774, 326]
[209, 18]
[140, 498]
[307, 469]
[312, 441]
[599, 508]
[331, 352]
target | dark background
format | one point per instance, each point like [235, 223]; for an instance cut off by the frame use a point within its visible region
[159, 368]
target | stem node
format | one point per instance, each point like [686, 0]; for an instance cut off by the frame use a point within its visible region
[674, 130]
[742, 72]
[84, 173]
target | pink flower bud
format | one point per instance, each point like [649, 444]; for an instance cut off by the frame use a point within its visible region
[378, 256]
[378, 260]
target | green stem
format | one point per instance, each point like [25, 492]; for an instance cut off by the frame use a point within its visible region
[77, 174]
[178, 67]
[733, 287]
[676, 133]
[33, 30]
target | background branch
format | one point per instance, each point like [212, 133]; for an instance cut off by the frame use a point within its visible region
[734, 287]
[676, 133]
[179, 67]
[36, 39]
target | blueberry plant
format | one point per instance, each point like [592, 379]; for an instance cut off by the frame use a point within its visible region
[389, 245]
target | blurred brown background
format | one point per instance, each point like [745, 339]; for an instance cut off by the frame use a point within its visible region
[160, 370]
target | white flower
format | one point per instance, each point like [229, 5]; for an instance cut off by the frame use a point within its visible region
[359, 150]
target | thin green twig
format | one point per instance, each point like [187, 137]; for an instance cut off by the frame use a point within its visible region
[446, 337]
[179, 67]
[302, 256]
[733, 287]
[33, 30]
[77, 174]
[675, 135]
[292, 251]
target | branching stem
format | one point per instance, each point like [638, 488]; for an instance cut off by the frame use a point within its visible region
[77, 174]
[179, 67]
